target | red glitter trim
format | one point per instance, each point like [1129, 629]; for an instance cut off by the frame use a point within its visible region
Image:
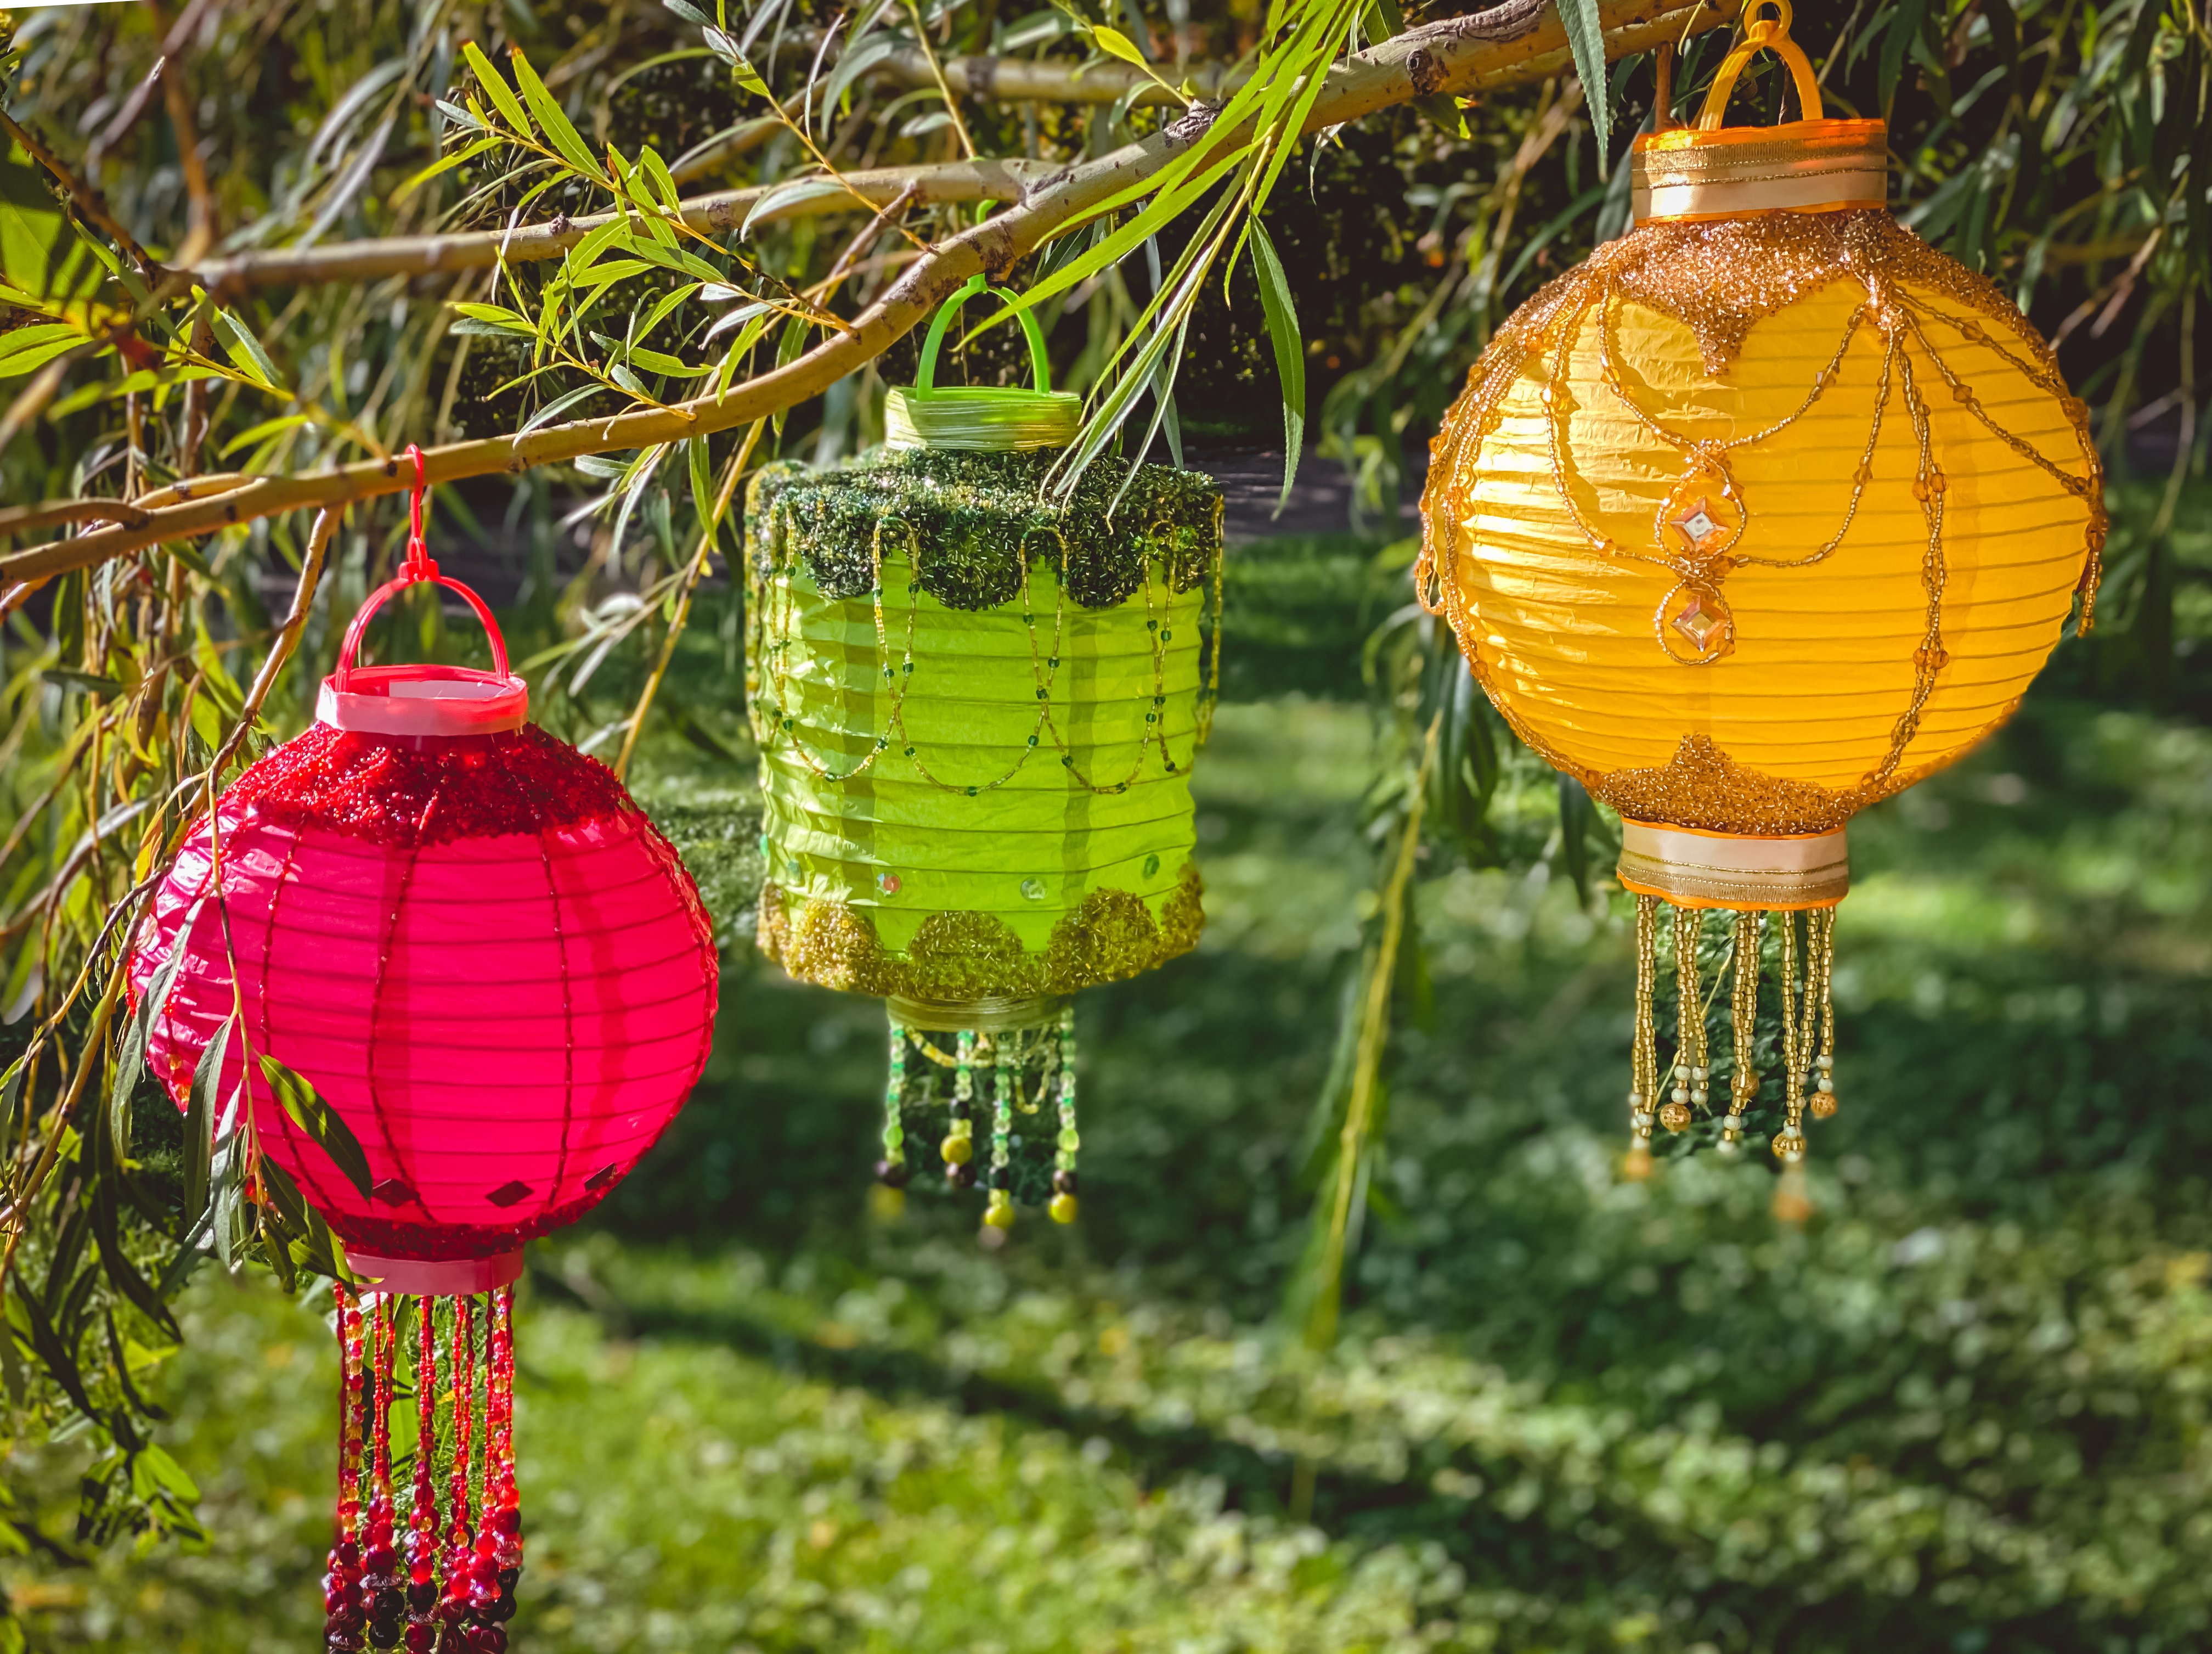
[411, 791]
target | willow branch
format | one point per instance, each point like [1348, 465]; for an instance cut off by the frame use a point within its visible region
[88, 201]
[1510, 45]
[722, 213]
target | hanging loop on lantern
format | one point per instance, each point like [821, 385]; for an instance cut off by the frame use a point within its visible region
[423, 699]
[976, 417]
[419, 565]
[1761, 33]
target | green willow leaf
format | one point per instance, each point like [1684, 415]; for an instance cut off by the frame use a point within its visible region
[554, 122]
[1282, 316]
[496, 89]
[203, 1108]
[325, 1127]
[1586, 35]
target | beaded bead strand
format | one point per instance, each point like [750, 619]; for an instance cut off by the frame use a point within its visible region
[1643, 1056]
[999, 1215]
[421, 1557]
[379, 1559]
[1789, 1142]
[1823, 1103]
[1743, 1020]
[460, 1534]
[958, 1148]
[1690, 1091]
[344, 1614]
[1064, 1205]
[891, 1171]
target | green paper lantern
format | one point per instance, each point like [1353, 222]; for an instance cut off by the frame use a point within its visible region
[977, 709]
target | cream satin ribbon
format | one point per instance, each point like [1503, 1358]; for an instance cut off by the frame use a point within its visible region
[1685, 175]
[1695, 869]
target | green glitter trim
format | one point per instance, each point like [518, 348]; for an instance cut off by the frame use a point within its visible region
[976, 516]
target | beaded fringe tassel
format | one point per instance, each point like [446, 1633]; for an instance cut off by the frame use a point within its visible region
[1683, 1096]
[449, 1593]
[1006, 1056]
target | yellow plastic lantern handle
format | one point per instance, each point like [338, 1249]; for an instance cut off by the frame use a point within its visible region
[1772, 34]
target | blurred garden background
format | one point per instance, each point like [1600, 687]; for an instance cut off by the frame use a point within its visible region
[1962, 1409]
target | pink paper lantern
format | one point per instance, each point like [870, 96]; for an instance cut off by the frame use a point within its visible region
[471, 940]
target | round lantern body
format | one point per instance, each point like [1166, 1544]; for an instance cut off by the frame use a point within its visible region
[977, 710]
[475, 947]
[1760, 515]
[1749, 523]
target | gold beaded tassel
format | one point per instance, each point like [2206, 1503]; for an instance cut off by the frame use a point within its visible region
[1820, 946]
[1643, 1057]
[1743, 1021]
[1693, 1077]
[1789, 1141]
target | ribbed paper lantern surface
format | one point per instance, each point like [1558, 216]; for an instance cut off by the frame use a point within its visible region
[478, 950]
[1764, 512]
[486, 961]
[977, 713]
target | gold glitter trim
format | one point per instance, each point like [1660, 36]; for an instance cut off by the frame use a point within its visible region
[1702, 787]
[957, 957]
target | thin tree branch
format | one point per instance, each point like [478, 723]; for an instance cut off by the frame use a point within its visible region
[720, 214]
[937, 75]
[1510, 45]
[88, 201]
[176, 94]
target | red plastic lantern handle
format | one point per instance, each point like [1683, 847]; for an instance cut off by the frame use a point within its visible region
[418, 569]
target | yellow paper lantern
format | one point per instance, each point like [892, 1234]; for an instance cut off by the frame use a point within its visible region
[1761, 514]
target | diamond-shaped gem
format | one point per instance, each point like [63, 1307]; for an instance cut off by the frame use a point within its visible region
[1699, 525]
[1705, 626]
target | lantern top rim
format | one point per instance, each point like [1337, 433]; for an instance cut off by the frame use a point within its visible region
[1690, 174]
[424, 700]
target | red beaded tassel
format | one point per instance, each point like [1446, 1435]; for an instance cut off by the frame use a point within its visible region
[422, 1517]
[460, 1546]
[380, 1558]
[458, 1590]
[343, 1615]
[498, 1563]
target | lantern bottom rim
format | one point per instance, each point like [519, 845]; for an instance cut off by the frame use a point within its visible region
[436, 1277]
[1696, 868]
[985, 1015]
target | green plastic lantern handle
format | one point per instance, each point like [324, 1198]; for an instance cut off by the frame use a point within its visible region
[925, 377]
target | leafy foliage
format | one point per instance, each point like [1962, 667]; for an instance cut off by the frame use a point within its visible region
[2062, 148]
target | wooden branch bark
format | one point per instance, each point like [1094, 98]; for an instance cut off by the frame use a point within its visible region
[1510, 45]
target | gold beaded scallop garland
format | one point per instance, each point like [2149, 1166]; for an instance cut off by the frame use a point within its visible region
[1764, 512]
[977, 711]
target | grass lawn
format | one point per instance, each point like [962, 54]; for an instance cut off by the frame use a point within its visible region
[1964, 1408]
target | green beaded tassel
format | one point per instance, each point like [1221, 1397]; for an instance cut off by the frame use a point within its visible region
[1064, 1204]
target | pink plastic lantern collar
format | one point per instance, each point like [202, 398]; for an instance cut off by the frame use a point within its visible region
[421, 700]
[435, 1277]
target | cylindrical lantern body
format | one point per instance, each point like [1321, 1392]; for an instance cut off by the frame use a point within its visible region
[477, 950]
[977, 712]
[1758, 516]
[977, 718]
